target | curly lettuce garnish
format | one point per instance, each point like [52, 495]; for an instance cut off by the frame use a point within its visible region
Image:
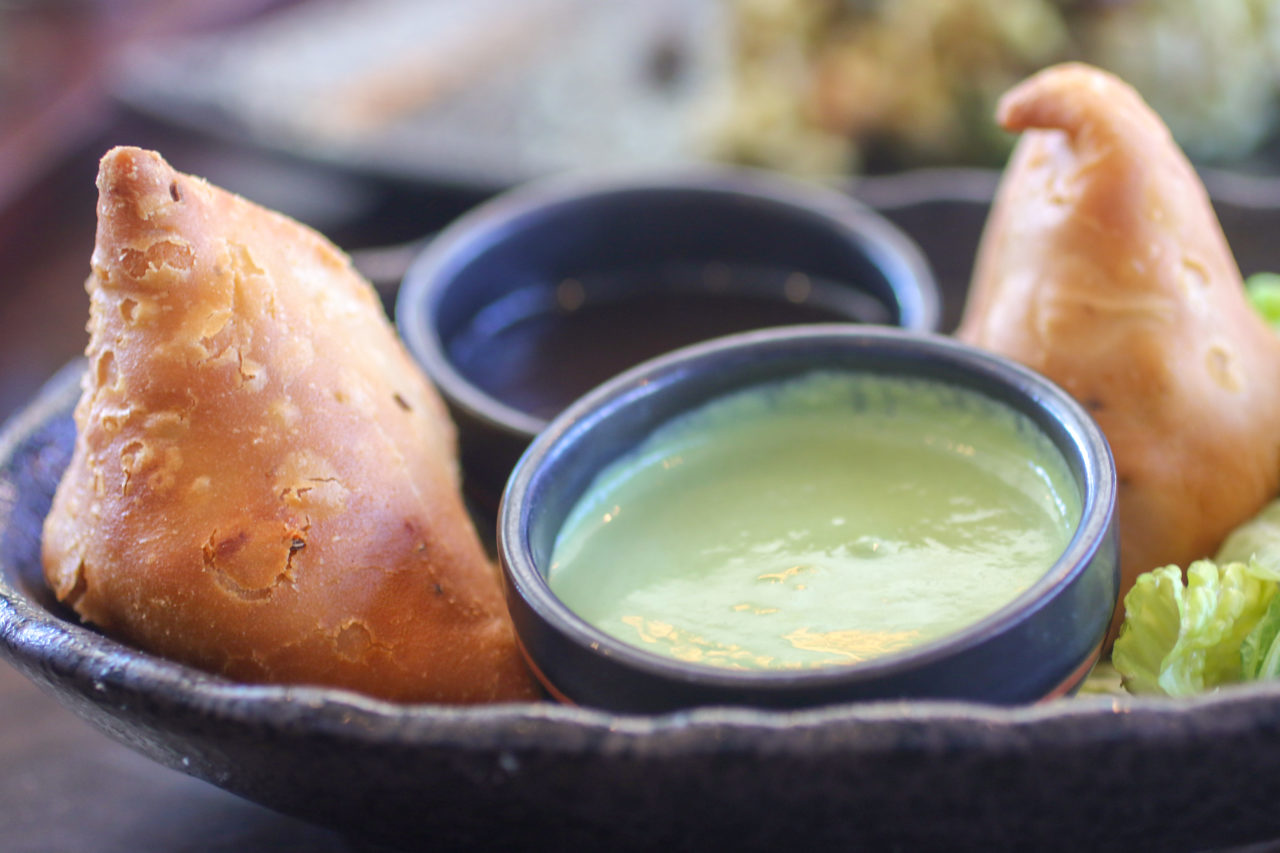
[1218, 627]
[1260, 653]
[1181, 640]
[1263, 291]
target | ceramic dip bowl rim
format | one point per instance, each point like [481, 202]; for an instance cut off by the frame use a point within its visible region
[487, 225]
[526, 584]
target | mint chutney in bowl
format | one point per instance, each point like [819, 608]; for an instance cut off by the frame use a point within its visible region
[825, 519]
[811, 515]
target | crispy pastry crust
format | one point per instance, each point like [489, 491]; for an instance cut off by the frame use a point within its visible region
[263, 484]
[1104, 267]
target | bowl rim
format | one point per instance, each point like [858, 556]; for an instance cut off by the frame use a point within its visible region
[1097, 482]
[480, 229]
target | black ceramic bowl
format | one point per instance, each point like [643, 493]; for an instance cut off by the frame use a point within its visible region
[537, 296]
[1041, 644]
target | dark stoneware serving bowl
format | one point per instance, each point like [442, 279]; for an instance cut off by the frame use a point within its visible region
[1089, 773]
[1040, 644]
[637, 264]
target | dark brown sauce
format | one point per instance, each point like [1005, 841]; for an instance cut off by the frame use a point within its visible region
[539, 349]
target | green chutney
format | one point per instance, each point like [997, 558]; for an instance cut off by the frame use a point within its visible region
[822, 520]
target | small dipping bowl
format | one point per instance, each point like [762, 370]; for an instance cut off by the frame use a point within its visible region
[533, 298]
[1038, 645]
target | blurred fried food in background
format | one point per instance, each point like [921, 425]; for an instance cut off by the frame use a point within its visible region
[493, 92]
[822, 86]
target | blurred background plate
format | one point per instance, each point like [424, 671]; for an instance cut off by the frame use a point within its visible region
[484, 94]
[489, 93]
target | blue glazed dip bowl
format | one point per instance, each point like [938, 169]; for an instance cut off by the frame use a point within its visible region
[540, 294]
[1039, 645]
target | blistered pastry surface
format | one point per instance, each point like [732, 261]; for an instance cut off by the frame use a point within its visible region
[1103, 266]
[264, 485]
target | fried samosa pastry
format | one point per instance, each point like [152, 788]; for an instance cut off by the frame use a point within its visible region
[263, 484]
[1104, 267]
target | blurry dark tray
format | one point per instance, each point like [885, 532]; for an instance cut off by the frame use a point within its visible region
[1087, 773]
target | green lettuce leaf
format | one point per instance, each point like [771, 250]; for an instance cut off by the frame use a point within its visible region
[1219, 625]
[1260, 653]
[1256, 541]
[1182, 639]
[1152, 622]
[1263, 290]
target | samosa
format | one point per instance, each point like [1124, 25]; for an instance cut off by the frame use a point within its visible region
[263, 484]
[1104, 267]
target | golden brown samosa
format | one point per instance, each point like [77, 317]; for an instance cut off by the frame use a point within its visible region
[263, 484]
[1104, 267]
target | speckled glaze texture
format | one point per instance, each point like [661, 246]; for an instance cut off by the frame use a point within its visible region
[1082, 774]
